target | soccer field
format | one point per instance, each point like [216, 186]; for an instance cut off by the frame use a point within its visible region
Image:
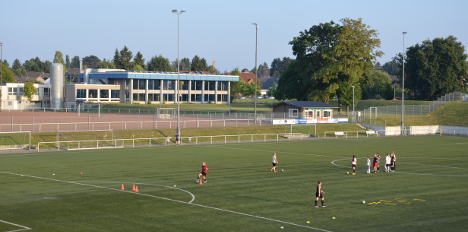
[81, 190]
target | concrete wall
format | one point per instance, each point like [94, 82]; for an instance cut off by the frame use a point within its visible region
[419, 130]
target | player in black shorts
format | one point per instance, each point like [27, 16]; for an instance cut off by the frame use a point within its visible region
[319, 194]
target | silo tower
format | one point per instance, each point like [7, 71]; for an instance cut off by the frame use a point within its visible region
[56, 86]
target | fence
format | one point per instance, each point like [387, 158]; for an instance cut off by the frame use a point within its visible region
[160, 141]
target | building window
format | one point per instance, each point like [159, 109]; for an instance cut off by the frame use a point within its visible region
[222, 85]
[293, 113]
[310, 114]
[80, 93]
[46, 91]
[104, 93]
[92, 93]
[209, 85]
[115, 94]
[196, 85]
[327, 114]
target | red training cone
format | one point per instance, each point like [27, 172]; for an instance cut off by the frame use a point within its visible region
[200, 182]
[133, 188]
[136, 189]
[122, 187]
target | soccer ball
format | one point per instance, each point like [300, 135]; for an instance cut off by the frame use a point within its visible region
[354, 173]
[347, 173]
[282, 170]
[363, 202]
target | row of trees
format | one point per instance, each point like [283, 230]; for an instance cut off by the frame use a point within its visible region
[333, 59]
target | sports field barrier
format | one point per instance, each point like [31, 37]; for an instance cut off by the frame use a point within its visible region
[161, 141]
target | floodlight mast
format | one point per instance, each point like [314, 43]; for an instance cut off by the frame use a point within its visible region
[256, 55]
[178, 71]
[403, 88]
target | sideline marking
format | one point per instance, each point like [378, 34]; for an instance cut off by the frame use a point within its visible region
[24, 227]
[164, 198]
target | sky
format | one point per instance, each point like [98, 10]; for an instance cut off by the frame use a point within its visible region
[220, 30]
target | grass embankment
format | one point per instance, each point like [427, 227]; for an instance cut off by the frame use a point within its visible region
[194, 132]
[452, 114]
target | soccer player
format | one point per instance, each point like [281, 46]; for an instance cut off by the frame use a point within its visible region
[393, 161]
[274, 162]
[203, 172]
[354, 164]
[319, 194]
[168, 140]
[378, 162]
[177, 139]
[368, 165]
[388, 162]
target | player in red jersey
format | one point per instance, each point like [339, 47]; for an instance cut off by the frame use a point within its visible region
[203, 173]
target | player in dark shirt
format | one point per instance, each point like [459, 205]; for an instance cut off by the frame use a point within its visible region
[319, 194]
[203, 173]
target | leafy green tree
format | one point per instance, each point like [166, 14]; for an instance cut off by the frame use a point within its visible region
[18, 69]
[271, 91]
[75, 62]
[330, 58]
[123, 59]
[29, 90]
[236, 86]
[91, 61]
[198, 64]
[106, 64]
[390, 67]
[67, 61]
[139, 61]
[160, 63]
[379, 86]
[434, 68]
[7, 74]
[185, 64]
[58, 58]
[279, 65]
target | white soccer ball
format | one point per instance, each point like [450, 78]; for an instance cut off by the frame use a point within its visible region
[282, 170]
[363, 202]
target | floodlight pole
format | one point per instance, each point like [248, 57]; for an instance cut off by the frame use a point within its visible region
[256, 54]
[403, 88]
[178, 13]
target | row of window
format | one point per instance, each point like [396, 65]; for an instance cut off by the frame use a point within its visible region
[184, 85]
[94, 93]
[183, 97]
[20, 91]
[294, 113]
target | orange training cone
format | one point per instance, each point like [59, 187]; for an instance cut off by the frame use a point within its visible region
[133, 188]
[136, 189]
[200, 182]
[122, 187]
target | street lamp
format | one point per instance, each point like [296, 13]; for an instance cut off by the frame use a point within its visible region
[403, 88]
[353, 103]
[178, 71]
[256, 53]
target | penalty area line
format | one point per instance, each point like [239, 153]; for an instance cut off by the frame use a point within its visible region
[23, 228]
[168, 199]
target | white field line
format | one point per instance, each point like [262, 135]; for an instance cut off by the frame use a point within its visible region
[23, 227]
[168, 199]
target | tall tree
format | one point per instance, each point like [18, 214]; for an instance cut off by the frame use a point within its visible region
[199, 64]
[160, 63]
[58, 58]
[236, 86]
[107, 64]
[7, 75]
[67, 61]
[75, 62]
[279, 65]
[330, 58]
[123, 59]
[434, 68]
[91, 61]
[139, 61]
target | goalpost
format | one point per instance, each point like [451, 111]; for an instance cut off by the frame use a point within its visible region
[15, 140]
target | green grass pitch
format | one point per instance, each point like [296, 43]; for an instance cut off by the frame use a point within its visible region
[47, 192]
